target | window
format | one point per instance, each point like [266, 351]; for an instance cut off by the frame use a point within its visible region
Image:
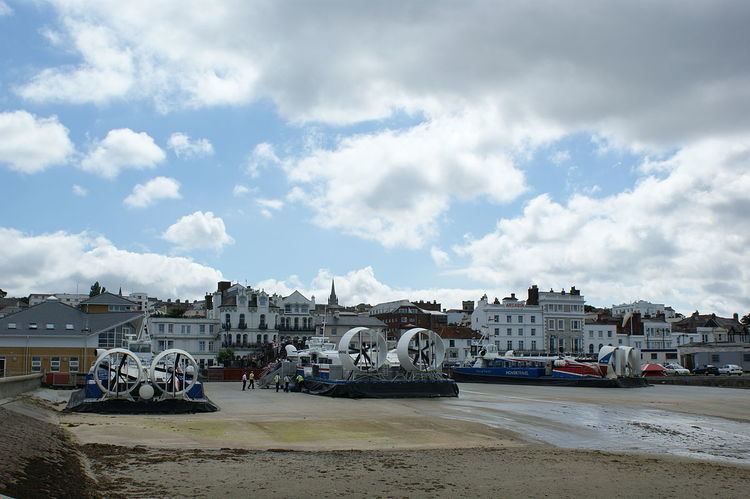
[11, 325]
[671, 356]
[50, 325]
[201, 346]
[161, 328]
[533, 319]
[497, 331]
[520, 345]
[170, 343]
[560, 324]
[508, 319]
[533, 344]
[520, 319]
[202, 328]
[714, 357]
[452, 343]
[533, 331]
[601, 334]
[69, 327]
[746, 357]
[210, 328]
[551, 324]
[36, 364]
[32, 325]
[265, 338]
[574, 324]
[497, 318]
[73, 364]
[333, 331]
[654, 356]
[591, 334]
[619, 341]
[520, 331]
[510, 344]
[161, 345]
[54, 364]
[170, 328]
[609, 334]
[509, 332]
[210, 346]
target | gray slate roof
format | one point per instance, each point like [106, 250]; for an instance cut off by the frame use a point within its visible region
[108, 298]
[60, 314]
[349, 321]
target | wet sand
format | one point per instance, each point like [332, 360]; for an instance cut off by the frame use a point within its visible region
[494, 440]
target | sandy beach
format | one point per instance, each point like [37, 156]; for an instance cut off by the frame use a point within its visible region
[494, 440]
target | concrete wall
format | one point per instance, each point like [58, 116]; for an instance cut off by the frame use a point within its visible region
[13, 385]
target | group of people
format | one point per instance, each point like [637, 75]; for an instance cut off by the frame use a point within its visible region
[299, 379]
[277, 381]
[246, 378]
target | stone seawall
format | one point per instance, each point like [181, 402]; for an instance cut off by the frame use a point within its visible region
[14, 385]
[722, 381]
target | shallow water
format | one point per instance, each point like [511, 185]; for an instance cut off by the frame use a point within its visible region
[624, 426]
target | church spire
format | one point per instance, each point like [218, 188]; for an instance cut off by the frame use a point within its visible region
[333, 299]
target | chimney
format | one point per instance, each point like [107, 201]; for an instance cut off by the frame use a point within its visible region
[736, 316]
[574, 291]
[533, 298]
[513, 296]
[209, 302]
[224, 285]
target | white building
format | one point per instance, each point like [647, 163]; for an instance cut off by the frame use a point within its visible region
[564, 315]
[458, 342]
[511, 324]
[248, 317]
[72, 299]
[297, 317]
[201, 338]
[599, 333]
[644, 308]
[141, 299]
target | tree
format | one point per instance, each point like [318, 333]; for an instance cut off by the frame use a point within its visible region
[745, 320]
[225, 356]
[96, 289]
[176, 313]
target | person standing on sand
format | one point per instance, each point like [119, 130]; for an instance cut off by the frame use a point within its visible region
[277, 380]
[286, 384]
[252, 380]
[244, 381]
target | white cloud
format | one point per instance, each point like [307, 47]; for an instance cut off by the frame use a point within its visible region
[368, 63]
[393, 186]
[5, 9]
[198, 231]
[362, 286]
[239, 190]
[29, 144]
[262, 157]
[440, 257]
[57, 261]
[268, 206]
[560, 157]
[683, 238]
[107, 70]
[157, 188]
[80, 191]
[120, 149]
[183, 147]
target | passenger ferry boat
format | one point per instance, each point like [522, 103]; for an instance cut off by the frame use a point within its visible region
[616, 367]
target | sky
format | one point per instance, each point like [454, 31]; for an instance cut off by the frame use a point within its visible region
[422, 150]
